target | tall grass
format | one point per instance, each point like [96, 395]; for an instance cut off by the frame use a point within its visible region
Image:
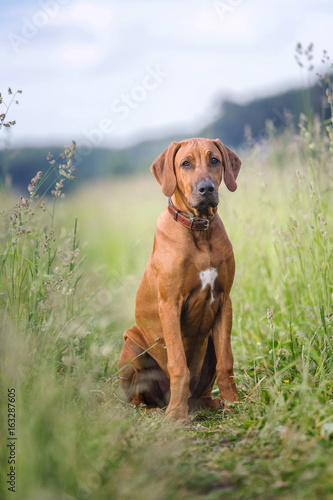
[63, 319]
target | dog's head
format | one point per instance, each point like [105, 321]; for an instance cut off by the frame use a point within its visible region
[196, 168]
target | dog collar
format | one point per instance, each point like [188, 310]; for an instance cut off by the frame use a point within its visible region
[194, 223]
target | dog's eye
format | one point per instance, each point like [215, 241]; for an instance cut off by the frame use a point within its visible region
[185, 164]
[214, 161]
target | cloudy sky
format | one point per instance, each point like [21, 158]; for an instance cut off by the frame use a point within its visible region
[114, 72]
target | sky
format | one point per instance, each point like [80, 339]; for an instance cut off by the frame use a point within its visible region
[112, 73]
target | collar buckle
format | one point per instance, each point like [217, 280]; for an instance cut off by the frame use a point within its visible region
[206, 222]
[189, 220]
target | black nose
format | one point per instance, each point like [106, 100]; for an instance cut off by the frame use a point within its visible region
[206, 188]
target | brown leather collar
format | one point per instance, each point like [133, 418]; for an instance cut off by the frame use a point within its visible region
[194, 223]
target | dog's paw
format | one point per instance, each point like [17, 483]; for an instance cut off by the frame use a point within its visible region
[178, 414]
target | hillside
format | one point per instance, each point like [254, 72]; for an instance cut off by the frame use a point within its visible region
[281, 109]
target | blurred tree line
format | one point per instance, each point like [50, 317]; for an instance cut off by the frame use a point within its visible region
[236, 124]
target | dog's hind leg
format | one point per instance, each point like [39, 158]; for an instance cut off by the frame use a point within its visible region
[129, 366]
[142, 379]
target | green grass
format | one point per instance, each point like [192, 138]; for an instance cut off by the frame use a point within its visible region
[63, 314]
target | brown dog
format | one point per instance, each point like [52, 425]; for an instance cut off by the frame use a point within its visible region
[181, 340]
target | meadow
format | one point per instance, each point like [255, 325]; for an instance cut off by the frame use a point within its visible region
[70, 269]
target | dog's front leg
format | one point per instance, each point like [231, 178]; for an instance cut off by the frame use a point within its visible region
[225, 361]
[177, 365]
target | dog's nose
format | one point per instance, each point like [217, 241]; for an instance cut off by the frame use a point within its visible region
[206, 188]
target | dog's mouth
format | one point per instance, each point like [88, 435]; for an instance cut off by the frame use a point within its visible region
[201, 202]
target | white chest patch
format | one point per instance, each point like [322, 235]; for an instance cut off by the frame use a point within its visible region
[208, 277]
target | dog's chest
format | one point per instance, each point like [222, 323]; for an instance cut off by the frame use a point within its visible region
[205, 273]
[207, 279]
[202, 299]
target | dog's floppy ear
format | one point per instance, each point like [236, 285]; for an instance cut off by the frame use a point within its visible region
[163, 169]
[231, 163]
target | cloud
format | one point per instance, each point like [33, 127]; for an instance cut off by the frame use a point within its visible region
[78, 55]
[91, 15]
[77, 61]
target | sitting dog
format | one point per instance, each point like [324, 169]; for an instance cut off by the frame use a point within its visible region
[181, 342]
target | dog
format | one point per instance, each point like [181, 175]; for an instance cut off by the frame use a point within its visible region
[181, 341]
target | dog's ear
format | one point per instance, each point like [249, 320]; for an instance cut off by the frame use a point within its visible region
[164, 171]
[231, 163]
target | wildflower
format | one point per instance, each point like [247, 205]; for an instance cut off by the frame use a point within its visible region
[33, 184]
[305, 55]
[66, 169]
[56, 193]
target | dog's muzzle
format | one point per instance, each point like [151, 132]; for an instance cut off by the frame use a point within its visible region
[205, 195]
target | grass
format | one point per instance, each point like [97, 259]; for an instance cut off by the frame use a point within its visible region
[67, 294]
